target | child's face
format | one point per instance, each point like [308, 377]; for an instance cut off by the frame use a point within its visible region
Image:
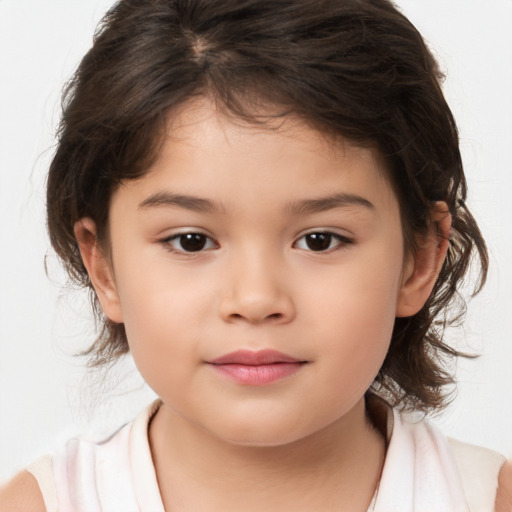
[297, 247]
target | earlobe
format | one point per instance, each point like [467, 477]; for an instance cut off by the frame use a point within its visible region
[99, 269]
[426, 263]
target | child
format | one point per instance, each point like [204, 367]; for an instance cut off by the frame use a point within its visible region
[266, 200]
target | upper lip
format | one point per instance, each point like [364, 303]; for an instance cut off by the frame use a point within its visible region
[255, 358]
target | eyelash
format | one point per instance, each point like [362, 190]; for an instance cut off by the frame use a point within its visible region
[204, 241]
[179, 237]
[342, 241]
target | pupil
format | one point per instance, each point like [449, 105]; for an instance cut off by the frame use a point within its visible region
[318, 241]
[193, 242]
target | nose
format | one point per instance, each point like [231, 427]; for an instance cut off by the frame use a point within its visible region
[256, 291]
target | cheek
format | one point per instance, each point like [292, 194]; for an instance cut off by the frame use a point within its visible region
[363, 292]
[354, 313]
[165, 315]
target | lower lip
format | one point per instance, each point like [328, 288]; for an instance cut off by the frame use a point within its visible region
[258, 375]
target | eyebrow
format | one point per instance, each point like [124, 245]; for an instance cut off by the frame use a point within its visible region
[164, 198]
[329, 203]
[303, 207]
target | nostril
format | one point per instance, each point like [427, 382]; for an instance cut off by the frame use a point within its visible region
[256, 308]
[271, 317]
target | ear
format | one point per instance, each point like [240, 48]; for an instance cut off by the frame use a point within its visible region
[425, 264]
[99, 269]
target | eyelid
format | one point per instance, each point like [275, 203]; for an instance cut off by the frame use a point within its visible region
[343, 240]
[167, 241]
[211, 243]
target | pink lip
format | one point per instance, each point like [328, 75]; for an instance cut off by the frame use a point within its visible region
[256, 368]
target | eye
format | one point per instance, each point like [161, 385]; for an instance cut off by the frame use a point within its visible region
[321, 241]
[189, 242]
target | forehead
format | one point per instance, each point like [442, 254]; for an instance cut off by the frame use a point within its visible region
[202, 116]
[206, 152]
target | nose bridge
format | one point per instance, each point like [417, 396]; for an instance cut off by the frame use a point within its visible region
[256, 287]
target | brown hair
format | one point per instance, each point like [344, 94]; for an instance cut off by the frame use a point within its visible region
[355, 68]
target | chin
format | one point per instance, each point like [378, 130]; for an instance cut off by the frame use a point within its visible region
[264, 434]
[263, 440]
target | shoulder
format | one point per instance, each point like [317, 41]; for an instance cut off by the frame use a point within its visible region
[478, 468]
[504, 495]
[477, 460]
[470, 471]
[21, 494]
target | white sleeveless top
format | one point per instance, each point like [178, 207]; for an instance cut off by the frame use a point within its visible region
[423, 472]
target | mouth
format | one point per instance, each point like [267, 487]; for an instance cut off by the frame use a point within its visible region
[256, 368]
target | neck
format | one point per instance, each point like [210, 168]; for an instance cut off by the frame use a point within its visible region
[335, 468]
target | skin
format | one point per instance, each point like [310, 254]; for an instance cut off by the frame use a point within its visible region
[257, 284]
[504, 494]
[21, 494]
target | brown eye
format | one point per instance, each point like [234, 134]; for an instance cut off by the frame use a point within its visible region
[318, 241]
[321, 241]
[192, 242]
[189, 242]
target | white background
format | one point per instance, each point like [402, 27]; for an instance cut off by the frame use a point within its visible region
[45, 394]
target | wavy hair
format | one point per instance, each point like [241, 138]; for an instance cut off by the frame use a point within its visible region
[353, 68]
